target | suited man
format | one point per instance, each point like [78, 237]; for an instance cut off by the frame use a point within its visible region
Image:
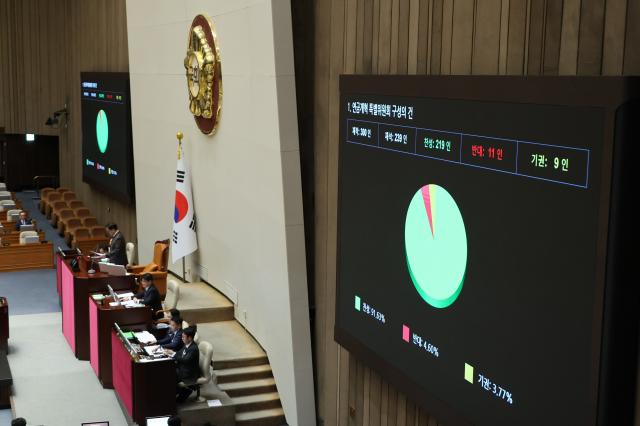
[117, 246]
[149, 295]
[173, 340]
[24, 220]
[187, 362]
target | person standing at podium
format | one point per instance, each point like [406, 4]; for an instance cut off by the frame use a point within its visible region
[187, 362]
[117, 246]
[149, 295]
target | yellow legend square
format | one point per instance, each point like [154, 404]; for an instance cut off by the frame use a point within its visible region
[468, 373]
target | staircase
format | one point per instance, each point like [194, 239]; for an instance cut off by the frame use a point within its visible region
[240, 365]
[250, 385]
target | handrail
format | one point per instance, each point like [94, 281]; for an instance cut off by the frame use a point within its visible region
[51, 179]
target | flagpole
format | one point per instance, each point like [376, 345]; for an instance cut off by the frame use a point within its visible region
[179, 135]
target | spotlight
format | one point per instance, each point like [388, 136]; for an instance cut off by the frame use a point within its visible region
[54, 120]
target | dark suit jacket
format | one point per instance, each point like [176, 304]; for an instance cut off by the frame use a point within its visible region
[117, 250]
[20, 222]
[173, 340]
[151, 298]
[188, 363]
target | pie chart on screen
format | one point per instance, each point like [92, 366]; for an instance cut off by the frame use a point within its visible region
[436, 246]
[102, 131]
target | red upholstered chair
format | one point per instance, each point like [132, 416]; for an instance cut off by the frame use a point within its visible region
[45, 191]
[69, 195]
[82, 212]
[89, 221]
[98, 232]
[158, 266]
[80, 234]
[63, 216]
[51, 197]
[72, 224]
[84, 241]
[43, 194]
[56, 207]
[75, 204]
[77, 213]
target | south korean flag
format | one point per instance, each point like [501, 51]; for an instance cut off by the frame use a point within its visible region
[183, 240]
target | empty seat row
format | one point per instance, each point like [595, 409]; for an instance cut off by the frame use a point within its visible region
[71, 218]
[49, 195]
[58, 206]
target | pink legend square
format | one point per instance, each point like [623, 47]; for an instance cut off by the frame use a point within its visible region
[405, 333]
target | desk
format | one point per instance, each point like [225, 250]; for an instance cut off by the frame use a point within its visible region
[6, 224]
[6, 381]
[4, 325]
[101, 320]
[16, 257]
[13, 237]
[75, 288]
[144, 389]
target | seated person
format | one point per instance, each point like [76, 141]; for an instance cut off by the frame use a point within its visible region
[173, 340]
[149, 296]
[24, 220]
[187, 362]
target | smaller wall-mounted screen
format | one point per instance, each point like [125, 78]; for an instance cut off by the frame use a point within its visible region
[107, 154]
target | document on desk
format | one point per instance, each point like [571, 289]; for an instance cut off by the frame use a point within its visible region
[114, 303]
[214, 403]
[132, 304]
[125, 295]
[153, 350]
[146, 338]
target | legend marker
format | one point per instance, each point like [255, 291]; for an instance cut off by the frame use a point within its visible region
[405, 333]
[468, 373]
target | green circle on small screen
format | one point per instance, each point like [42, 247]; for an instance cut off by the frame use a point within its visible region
[102, 131]
[436, 246]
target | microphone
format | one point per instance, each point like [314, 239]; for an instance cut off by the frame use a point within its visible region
[91, 271]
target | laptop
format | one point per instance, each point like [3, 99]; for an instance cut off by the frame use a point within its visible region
[158, 421]
[96, 424]
[27, 228]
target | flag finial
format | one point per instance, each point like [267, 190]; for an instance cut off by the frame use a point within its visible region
[179, 135]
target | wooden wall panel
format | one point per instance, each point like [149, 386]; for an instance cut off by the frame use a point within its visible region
[44, 45]
[440, 37]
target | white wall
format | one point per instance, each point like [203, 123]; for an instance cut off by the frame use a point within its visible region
[246, 178]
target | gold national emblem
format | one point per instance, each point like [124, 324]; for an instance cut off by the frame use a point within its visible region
[204, 74]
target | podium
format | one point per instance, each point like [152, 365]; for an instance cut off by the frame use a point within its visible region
[144, 388]
[75, 286]
[4, 325]
[102, 316]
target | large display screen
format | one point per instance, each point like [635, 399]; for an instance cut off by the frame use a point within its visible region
[470, 248]
[107, 154]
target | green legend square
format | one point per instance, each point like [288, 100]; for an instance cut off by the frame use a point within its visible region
[468, 373]
[357, 303]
